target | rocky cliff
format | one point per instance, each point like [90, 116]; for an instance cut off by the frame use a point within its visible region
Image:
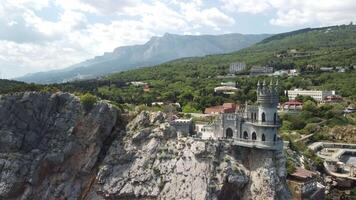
[50, 148]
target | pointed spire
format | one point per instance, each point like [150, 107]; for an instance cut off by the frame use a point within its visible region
[277, 82]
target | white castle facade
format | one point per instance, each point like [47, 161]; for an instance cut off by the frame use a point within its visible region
[252, 126]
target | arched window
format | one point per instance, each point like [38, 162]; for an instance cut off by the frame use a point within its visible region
[254, 136]
[263, 117]
[251, 116]
[275, 118]
[255, 116]
[274, 138]
[229, 133]
[263, 137]
[245, 135]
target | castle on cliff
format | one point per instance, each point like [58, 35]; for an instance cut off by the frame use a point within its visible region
[253, 126]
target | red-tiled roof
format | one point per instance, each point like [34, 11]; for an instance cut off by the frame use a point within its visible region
[303, 173]
[225, 108]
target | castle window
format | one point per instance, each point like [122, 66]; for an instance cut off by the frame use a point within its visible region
[274, 138]
[255, 116]
[275, 118]
[252, 116]
[245, 135]
[263, 117]
[254, 136]
[263, 137]
[229, 133]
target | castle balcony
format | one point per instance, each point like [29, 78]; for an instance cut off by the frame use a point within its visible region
[271, 124]
[268, 145]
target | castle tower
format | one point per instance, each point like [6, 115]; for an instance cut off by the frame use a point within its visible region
[267, 118]
[267, 100]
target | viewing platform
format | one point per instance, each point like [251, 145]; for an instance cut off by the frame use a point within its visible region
[268, 145]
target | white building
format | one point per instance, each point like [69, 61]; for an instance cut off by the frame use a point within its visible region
[318, 95]
[237, 67]
[205, 131]
[226, 89]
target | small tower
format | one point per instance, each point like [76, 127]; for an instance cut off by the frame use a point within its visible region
[267, 100]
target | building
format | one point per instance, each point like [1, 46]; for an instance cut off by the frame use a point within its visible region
[231, 84]
[146, 88]
[258, 70]
[226, 89]
[253, 126]
[237, 67]
[318, 95]
[292, 105]
[290, 72]
[204, 131]
[333, 99]
[225, 108]
[138, 83]
[349, 109]
[303, 185]
[183, 126]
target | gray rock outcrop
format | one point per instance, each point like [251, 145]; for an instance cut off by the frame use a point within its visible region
[51, 149]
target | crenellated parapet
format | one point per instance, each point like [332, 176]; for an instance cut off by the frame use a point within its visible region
[267, 94]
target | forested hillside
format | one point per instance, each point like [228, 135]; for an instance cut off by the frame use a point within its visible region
[191, 81]
[8, 86]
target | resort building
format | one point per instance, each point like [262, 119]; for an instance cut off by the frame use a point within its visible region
[258, 70]
[333, 99]
[292, 105]
[237, 67]
[318, 95]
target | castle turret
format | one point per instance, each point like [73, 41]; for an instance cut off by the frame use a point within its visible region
[267, 99]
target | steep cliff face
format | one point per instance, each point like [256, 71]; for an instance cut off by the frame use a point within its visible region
[48, 146]
[51, 149]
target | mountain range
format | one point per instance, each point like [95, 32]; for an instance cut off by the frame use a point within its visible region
[157, 50]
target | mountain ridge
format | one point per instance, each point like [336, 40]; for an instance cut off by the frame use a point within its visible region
[156, 51]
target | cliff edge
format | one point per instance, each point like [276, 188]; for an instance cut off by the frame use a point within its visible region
[50, 148]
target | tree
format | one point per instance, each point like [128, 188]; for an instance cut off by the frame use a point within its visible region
[310, 106]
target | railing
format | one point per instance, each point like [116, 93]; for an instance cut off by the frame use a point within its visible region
[265, 123]
[278, 144]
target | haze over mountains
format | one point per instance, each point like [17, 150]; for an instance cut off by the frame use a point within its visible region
[157, 50]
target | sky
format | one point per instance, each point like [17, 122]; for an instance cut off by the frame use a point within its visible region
[41, 35]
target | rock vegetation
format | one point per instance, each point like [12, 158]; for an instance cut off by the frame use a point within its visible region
[50, 148]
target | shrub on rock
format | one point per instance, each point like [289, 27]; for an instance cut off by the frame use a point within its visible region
[88, 101]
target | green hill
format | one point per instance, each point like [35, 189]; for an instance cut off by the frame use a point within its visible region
[191, 81]
[329, 46]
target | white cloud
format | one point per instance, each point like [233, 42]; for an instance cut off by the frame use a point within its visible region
[298, 12]
[81, 29]
[47, 34]
[248, 6]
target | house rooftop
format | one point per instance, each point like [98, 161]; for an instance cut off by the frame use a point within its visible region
[303, 174]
